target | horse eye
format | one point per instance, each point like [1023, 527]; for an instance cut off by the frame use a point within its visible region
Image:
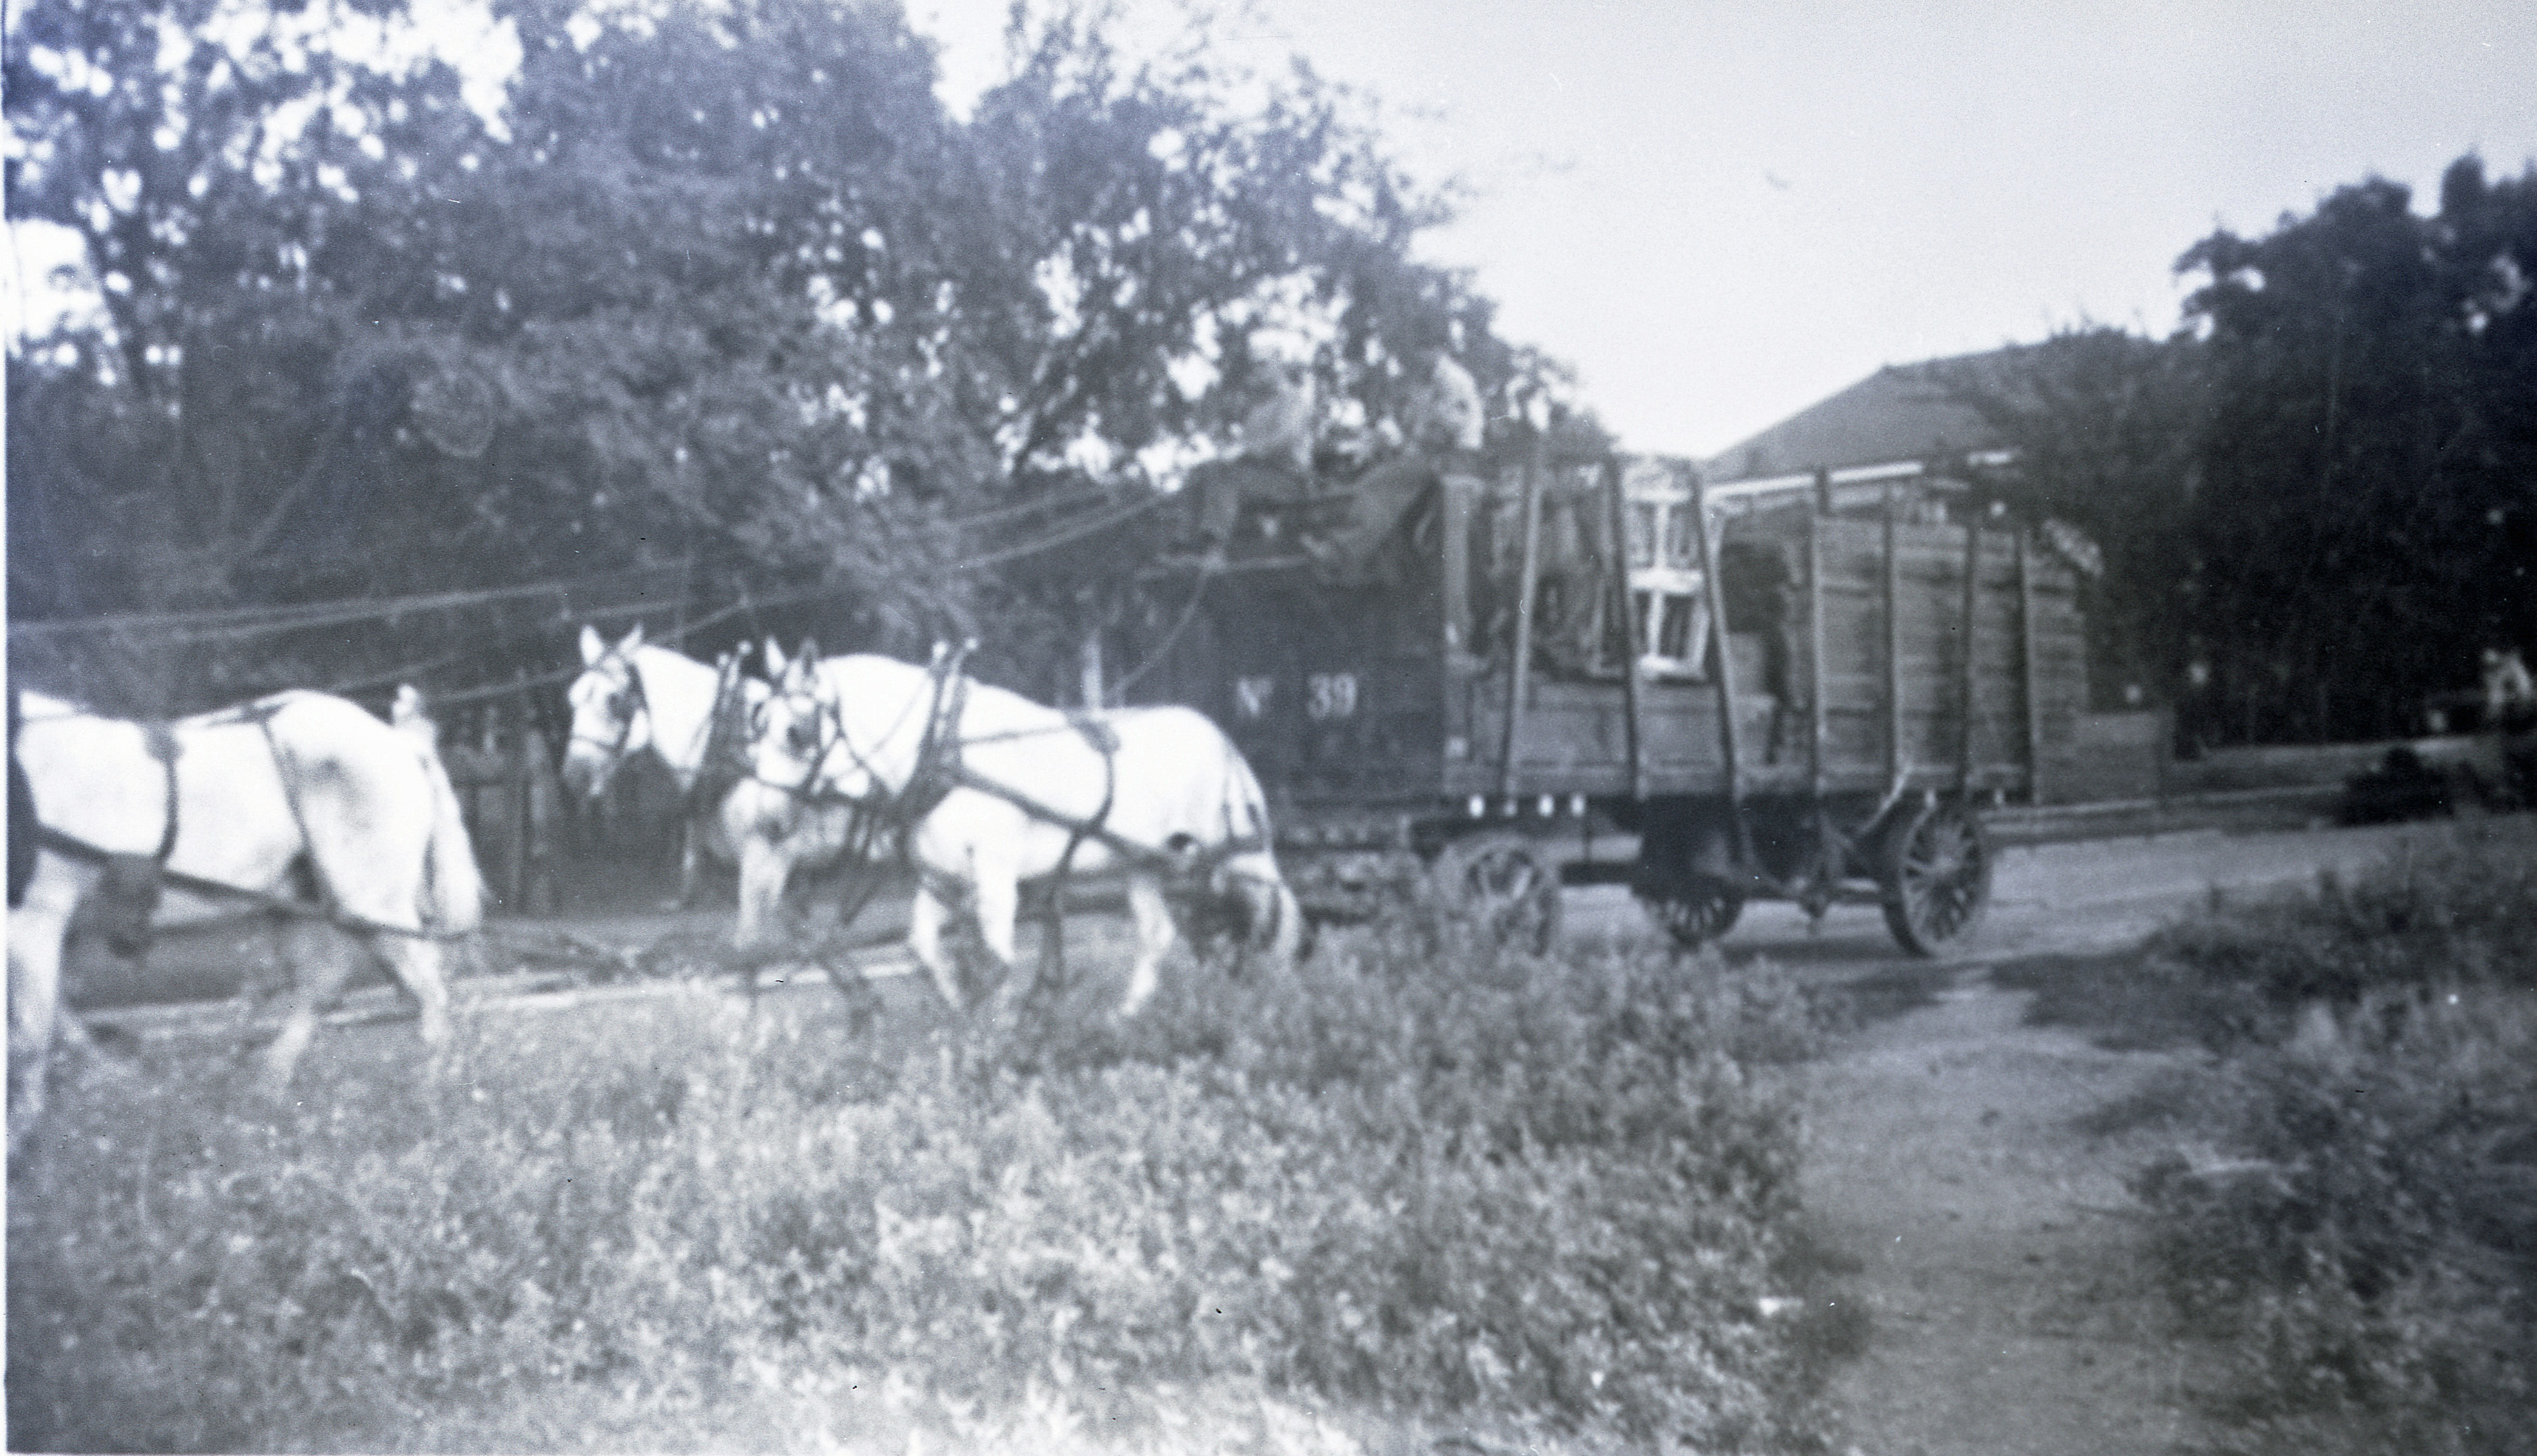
[803, 736]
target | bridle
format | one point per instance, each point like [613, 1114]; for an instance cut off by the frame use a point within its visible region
[937, 753]
[623, 704]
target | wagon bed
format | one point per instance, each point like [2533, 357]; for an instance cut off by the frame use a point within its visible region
[1534, 657]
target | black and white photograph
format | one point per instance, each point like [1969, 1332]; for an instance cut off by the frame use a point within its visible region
[1273, 727]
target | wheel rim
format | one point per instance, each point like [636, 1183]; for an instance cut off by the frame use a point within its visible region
[1503, 887]
[1943, 882]
[1699, 917]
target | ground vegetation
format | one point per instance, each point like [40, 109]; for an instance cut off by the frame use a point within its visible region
[2347, 1209]
[1523, 1199]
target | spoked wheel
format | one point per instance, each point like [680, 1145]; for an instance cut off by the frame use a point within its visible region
[1696, 913]
[1936, 878]
[1506, 884]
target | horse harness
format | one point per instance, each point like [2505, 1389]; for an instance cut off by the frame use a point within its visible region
[940, 768]
[132, 882]
[628, 700]
[724, 758]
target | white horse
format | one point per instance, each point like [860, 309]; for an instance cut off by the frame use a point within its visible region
[297, 800]
[994, 790]
[634, 696]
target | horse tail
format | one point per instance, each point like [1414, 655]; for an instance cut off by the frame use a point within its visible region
[453, 891]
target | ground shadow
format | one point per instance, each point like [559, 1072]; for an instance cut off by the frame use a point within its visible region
[1897, 990]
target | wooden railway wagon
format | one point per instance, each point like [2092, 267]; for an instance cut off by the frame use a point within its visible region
[1526, 671]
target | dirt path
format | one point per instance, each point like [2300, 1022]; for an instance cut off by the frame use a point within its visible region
[1996, 1256]
[2011, 1309]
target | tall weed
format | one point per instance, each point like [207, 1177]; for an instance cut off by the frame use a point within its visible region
[2360, 1219]
[2428, 920]
[1415, 1175]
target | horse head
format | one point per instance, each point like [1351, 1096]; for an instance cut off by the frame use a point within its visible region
[801, 741]
[609, 716]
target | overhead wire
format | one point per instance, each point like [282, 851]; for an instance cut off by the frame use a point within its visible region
[237, 624]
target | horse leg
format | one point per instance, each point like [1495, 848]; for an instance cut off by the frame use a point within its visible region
[35, 1002]
[690, 870]
[416, 963]
[763, 869]
[925, 921]
[314, 958]
[1052, 938]
[1154, 936]
[995, 900]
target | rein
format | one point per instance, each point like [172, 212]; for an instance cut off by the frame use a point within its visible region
[160, 739]
[70, 846]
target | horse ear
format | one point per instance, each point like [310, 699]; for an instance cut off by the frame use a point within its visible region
[810, 652]
[633, 639]
[592, 648]
[775, 659]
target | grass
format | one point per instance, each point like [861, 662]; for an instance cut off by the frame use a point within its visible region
[1416, 1182]
[2351, 1207]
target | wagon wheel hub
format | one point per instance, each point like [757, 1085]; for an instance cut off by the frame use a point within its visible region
[1696, 913]
[1936, 878]
[1507, 885]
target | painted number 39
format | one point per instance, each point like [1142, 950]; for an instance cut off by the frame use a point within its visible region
[1330, 696]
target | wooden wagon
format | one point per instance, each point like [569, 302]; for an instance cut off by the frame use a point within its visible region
[1530, 670]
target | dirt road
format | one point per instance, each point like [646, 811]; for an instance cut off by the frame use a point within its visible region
[2010, 1308]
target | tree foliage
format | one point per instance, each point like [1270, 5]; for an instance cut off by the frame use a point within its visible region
[2366, 516]
[720, 285]
[2104, 425]
[2318, 503]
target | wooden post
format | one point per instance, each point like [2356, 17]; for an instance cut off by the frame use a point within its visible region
[1520, 675]
[2029, 672]
[1897, 763]
[1090, 667]
[1815, 651]
[1632, 705]
[1459, 496]
[1728, 733]
[1964, 659]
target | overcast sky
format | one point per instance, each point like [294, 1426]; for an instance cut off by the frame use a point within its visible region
[1722, 213]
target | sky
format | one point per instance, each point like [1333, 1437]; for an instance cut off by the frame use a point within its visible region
[1722, 213]
[1719, 214]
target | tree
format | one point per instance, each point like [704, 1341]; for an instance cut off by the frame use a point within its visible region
[2368, 480]
[2106, 425]
[722, 289]
[224, 189]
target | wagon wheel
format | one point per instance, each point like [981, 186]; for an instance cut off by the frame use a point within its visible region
[1506, 884]
[1698, 912]
[1935, 872]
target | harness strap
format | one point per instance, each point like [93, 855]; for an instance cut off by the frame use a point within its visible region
[160, 741]
[723, 759]
[281, 769]
[73, 848]
[939, 767]
[1105, 743]
[1084, 829]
